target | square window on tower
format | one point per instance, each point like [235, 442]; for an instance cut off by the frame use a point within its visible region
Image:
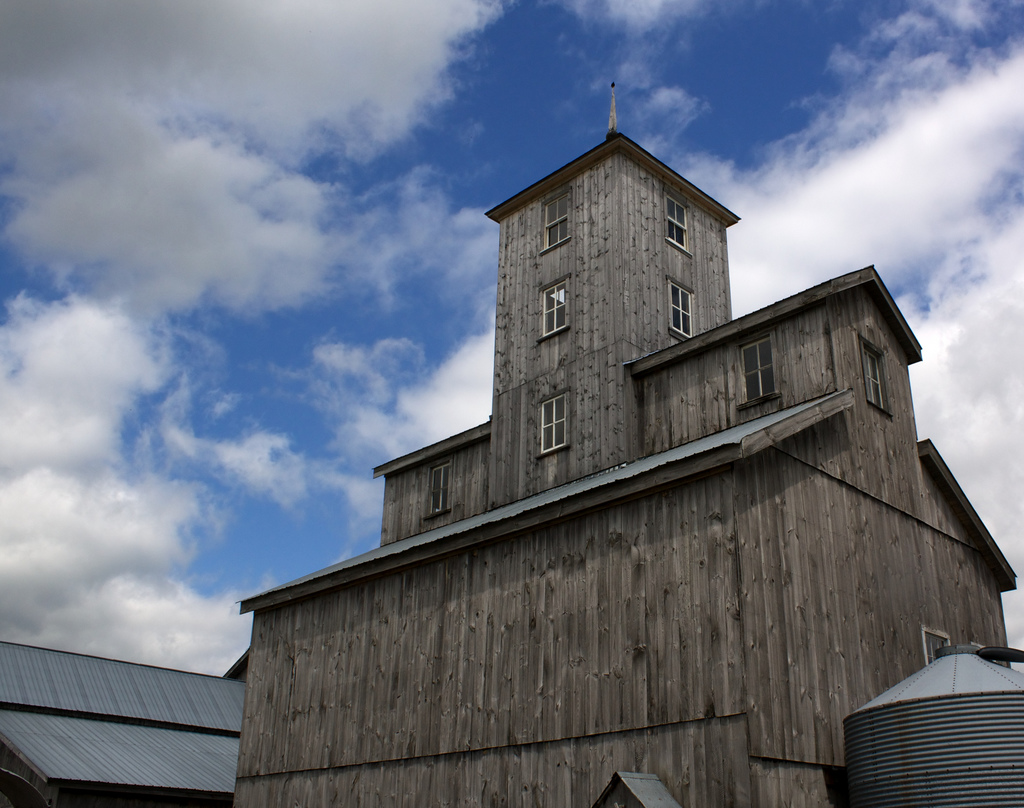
[554, 309]
[553, 420]
[676, 223]
[679, 310]
[556, 221]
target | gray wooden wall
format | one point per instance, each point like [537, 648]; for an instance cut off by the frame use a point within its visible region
[771, 594]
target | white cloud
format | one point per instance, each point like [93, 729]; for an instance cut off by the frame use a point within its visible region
[645, 14]
[68, 372]
[362, 69]
[262, 462]
[410, 229]
[78, 524]
[389, 408]
[152, 151]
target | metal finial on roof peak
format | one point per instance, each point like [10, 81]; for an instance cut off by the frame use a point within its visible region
[612, 124]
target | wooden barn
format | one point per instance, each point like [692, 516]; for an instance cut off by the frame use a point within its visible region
[680, 552]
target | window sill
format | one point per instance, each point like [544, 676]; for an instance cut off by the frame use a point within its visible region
[678, 246]
[555, 246]
[675, 332]
[884, 410]
[556, 450]
[554, 333]
[436, 514]
[759, 400]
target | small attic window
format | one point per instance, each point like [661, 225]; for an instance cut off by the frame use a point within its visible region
[556, 221]
[680, 320]
[933, 641]
[758, 369]
[675, 213]
[439, 480]
[874, 375]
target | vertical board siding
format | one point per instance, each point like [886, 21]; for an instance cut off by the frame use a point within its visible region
[539, 638]
[701, 763]
[836, 586]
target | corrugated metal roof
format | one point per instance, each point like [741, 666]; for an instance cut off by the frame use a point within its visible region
[58, 680]
[758, 430]
[86, 750]
[955, 674]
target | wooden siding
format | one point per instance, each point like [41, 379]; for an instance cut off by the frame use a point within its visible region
[704, 393]
[602, 426]
[775, 783]
[620, 620]
[702, 763]
[836, 586]
[407, 493]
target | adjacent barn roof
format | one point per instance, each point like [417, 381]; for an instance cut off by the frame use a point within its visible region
[62, 681]
[76, 719]
[82, 750]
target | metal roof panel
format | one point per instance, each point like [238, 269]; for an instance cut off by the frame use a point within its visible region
[87, 750]
[58, 680]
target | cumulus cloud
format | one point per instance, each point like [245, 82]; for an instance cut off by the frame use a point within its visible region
[153, 151]
[68, 372]
[387, 404]
[79, 524]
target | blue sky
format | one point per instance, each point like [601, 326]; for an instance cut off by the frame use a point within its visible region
[244, 257]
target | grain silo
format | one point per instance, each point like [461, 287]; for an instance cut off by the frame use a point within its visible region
[950, 734]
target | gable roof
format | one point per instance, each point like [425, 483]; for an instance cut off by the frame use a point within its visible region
[616, 143]
[597, 490]
[957, 500]
[635, 790]
[72, 718]
[866, 278]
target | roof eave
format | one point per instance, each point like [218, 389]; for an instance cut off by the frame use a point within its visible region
[868, 278]
[957, 500]
[615, 143]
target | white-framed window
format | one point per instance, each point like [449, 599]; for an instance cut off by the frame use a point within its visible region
[675, 214]
[554, 308]
[933, 640]
[556, 221]
[440, 476]
[758, 370]
[680, 319]
[553, 423]
[874, 375]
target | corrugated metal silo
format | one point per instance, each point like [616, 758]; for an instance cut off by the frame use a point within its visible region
[951, 734]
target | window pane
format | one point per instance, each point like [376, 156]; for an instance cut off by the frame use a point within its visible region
[753, 386]
[767, 380]
[750, 358]
[765, 353]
